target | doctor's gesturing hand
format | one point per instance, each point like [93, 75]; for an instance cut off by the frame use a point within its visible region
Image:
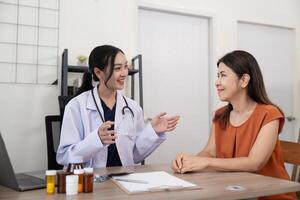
[161, 123]
[107, 136]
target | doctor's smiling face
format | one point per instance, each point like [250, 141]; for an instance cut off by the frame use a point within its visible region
[120, 73]
[114, 75]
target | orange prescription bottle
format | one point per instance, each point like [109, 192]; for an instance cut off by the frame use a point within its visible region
[61, 181]
[88, 180]
[80, 173]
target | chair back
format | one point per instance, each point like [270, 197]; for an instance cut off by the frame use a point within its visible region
[63, 101]
[291, 154]
[53, 125]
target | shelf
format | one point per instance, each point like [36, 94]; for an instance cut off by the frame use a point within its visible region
[77, 69]
[81, 69]
[133, 72]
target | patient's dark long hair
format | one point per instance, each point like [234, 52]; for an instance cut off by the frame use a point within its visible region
[103, 58]
[242, 62]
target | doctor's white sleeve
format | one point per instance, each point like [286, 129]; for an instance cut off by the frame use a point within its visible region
[73, 145]
[147, 140]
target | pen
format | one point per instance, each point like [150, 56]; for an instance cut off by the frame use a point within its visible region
[131, 180]
[165, 188]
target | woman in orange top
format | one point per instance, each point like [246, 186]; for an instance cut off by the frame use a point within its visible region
[244, 134]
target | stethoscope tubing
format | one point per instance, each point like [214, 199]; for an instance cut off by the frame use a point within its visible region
[123, 109]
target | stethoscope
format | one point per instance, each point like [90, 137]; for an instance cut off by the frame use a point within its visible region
[123, 109]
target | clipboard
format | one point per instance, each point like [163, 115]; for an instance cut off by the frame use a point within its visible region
[156, 181]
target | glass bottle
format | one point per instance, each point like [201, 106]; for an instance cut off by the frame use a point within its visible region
[88, 180]
[80, 173]
[61, 181]
[50, 181]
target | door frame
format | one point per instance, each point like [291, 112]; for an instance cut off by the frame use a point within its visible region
[294, 69]
[212, 39]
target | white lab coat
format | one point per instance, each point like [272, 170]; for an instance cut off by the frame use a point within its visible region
[79, 133]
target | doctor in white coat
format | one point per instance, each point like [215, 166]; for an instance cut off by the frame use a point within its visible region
[103, 128]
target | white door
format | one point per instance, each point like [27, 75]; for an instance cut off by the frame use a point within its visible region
[175, 50]
[274, 48]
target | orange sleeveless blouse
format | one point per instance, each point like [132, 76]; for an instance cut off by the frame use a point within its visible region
[237, 141]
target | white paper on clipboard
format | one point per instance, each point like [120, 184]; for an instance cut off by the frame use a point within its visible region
[152, 181]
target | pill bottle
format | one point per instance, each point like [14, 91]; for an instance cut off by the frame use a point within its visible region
[50, 181]
[88, 180]
[61, 181]
[80, 173]
[71, 184]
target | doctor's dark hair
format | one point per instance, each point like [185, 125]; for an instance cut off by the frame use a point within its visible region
[242, 62]
[103, 58]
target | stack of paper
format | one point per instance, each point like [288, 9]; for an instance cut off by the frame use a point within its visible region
[151, 181]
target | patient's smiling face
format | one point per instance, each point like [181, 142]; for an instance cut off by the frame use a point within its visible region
[228, 84]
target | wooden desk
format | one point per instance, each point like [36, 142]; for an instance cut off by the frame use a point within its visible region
[212, 184]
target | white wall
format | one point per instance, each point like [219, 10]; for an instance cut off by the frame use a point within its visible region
[87, 23]
[22, 123]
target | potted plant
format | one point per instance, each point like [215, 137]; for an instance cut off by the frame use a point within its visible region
[82, 60]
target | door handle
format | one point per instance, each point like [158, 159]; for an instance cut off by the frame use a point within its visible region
[290, 118]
